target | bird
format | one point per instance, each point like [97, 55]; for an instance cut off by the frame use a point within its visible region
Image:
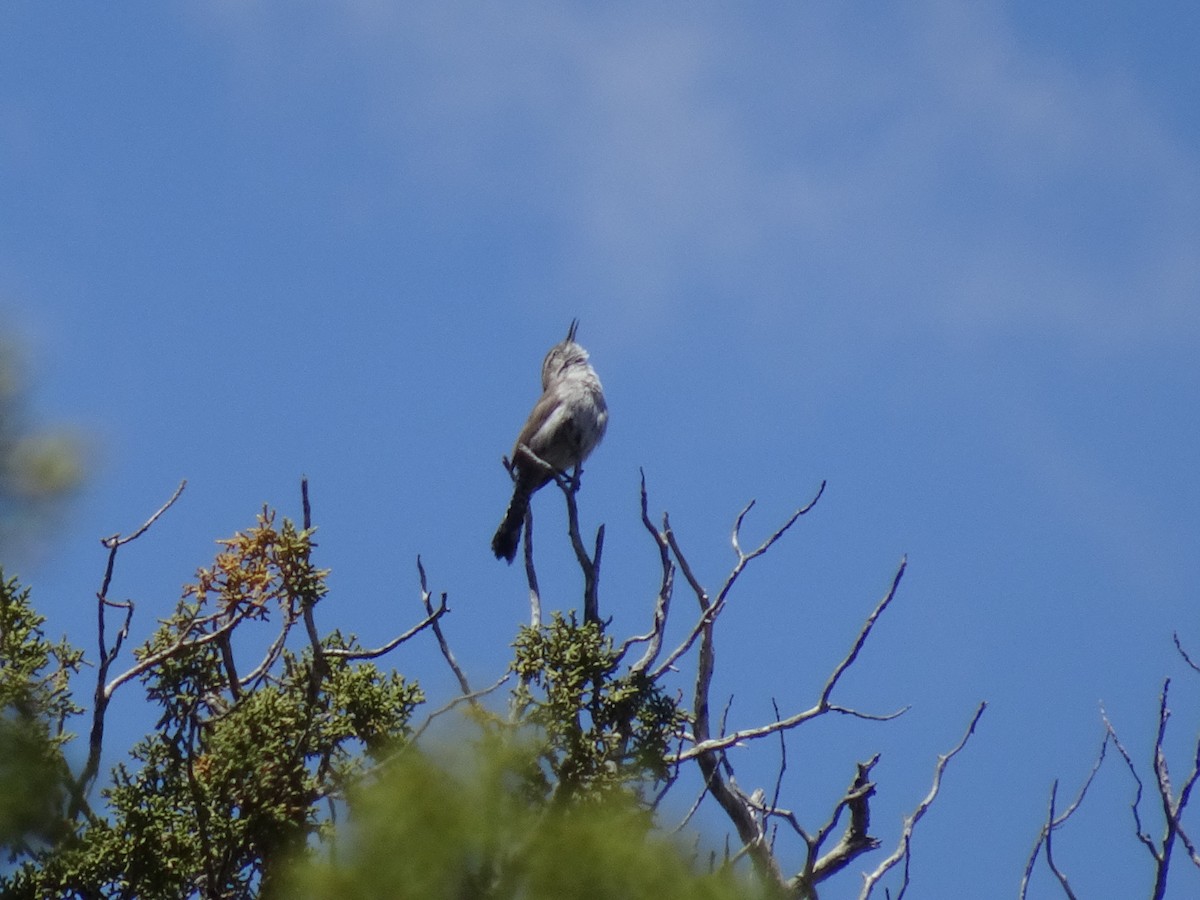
[566, 424]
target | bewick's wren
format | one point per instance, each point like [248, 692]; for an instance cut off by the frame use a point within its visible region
[565, 426]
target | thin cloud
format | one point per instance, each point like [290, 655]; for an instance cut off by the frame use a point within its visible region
[928, 162]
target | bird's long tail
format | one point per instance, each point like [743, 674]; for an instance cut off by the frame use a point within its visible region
[508, 535]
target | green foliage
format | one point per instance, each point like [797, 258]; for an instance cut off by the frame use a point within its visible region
[233, 777]
[427, 830]
[603, 728]
[35, 702]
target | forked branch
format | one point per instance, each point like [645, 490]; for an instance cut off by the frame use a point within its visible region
[108, 653]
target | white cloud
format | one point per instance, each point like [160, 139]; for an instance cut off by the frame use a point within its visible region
[928, 162]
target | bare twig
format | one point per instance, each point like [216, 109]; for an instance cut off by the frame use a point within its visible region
[1135, 806]
[850, 657]
[782, 765]
[117, 540]
[665, 589]
[728, 797]
[1058, 873]
[273, 652]
[713, 610]
[1172, 807]
[904, 849]
[684, 567]
[823, 705]
[590, 566]
[1187, 659]
[433, 620]
[188, 640]
[855, 841]
[1053, 823]
[472, 698]
[108, 654]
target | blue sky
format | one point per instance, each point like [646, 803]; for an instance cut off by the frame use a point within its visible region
[945, 256]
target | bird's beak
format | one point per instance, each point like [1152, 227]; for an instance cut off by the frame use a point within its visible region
[571, 330]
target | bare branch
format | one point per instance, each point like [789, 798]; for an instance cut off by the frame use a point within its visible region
[443, 645]
[728, 797]
[183, 644]
[588, 565]
[1062, 878]
[711, 611]
[430, 620]
[1172, 806]
[782, 766]
[273, 652]
[107, 655]
[749, 734]
[822, 705]
[665, 589]
[117, 540]
[697, 588]
[305, 506]
[472, 698]
[569, 485]
[1187, 659]
[1053, 823]
[904, 849]
[856, 840]
[863, 635]
[766, 545]
[1135, 806]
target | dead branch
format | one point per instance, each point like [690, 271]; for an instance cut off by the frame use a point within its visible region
[710, 611]
[904, 849]
[443, 644]
[187, 641]
[666, 587]
[1135, 806]
[1172, 806]
[855, 841]
[823, 704]
[1052, 823]
[782, 768]
[1058, 873]
[108, 654]
[431, 619]
[719, 781]
[273, 652]
[1187, 659]
[472, 698]
[731, 800]
[589, 565]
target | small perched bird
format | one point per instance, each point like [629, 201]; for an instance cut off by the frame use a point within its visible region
[566, 424]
